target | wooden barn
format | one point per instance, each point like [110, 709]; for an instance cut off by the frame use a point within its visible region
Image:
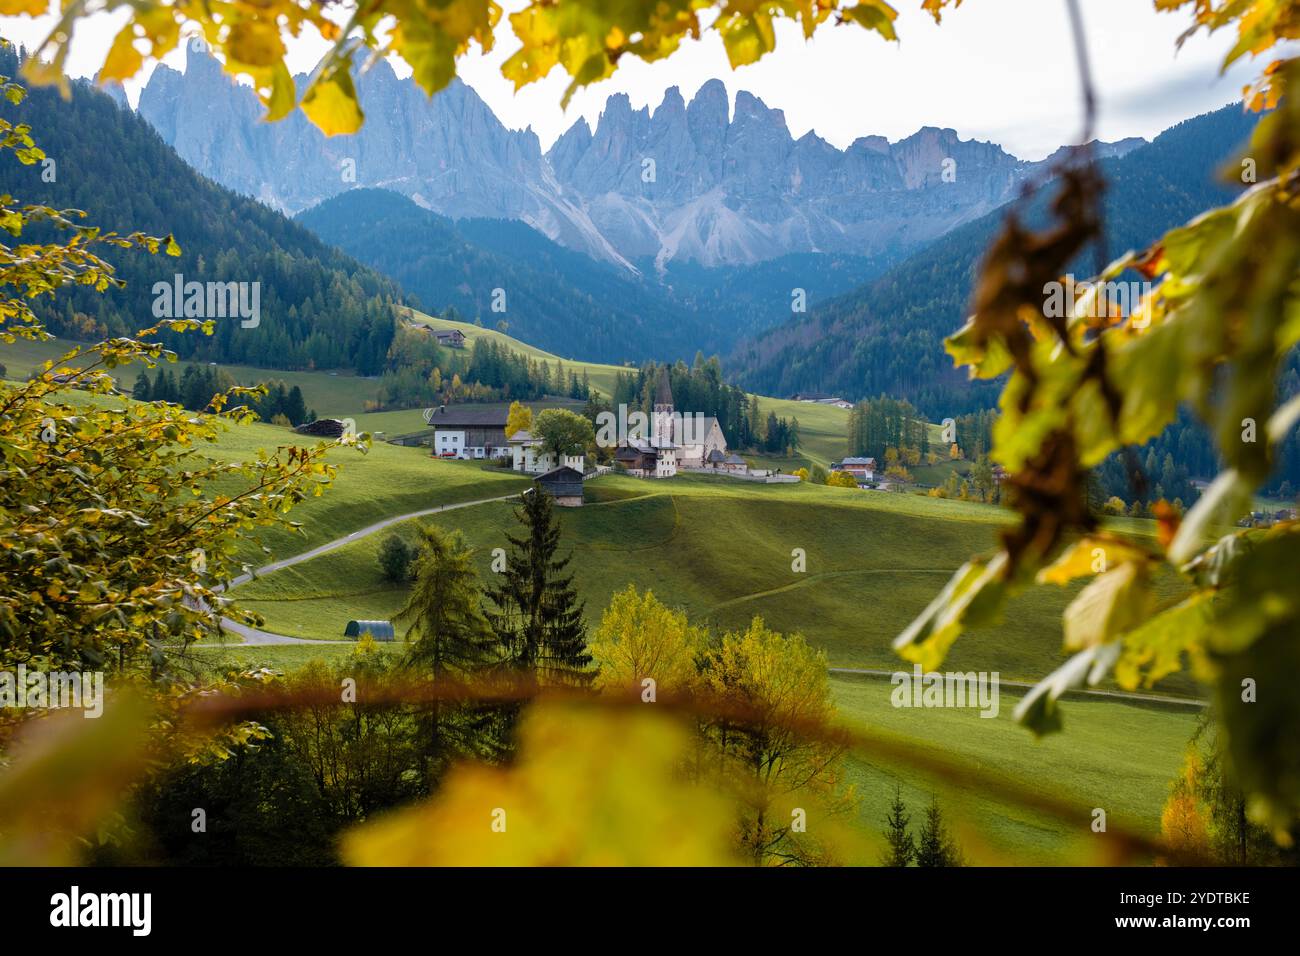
[379, 630]
[564, 485]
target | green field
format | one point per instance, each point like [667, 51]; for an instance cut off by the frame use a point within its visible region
[1118, 756]
[722, 551]
[1115, 755]
[341, 394]
[388, 480]
[329, 394]
[823, 428]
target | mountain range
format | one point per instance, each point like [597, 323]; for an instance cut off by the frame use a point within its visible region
[887, 336]
[874, 324]
[696, 182]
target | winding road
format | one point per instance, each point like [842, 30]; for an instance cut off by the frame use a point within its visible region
[252, 635]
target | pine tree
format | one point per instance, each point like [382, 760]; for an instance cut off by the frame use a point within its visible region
[141, 391]
[538, 616]
[902, 846]
[160, 392]
[395, 558]
[295, 408]
[935, 847]
[451, 642]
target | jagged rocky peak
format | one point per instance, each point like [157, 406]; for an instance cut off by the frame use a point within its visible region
[689, 179]
[1104, 150]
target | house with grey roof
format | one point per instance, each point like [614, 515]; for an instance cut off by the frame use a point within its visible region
[468, 431]
[562, 484]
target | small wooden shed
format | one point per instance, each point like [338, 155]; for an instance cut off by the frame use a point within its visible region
[379, 630]
[564, 485]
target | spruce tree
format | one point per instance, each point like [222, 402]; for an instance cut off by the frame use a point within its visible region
[538, 616]
[902, 846]
[160, 392]
[295, 409]
[141, 392]
[935, 847]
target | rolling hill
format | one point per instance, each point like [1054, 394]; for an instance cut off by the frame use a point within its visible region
[823, 429]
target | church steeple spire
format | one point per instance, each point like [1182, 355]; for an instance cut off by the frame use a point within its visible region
[663, 391]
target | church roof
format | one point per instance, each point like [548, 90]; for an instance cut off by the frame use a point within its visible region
[686, 423]
[663, 391]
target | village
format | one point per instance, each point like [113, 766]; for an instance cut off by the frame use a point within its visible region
[658, 446]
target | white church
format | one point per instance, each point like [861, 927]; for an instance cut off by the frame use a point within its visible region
[675, 441]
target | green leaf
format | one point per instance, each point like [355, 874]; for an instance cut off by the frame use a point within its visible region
[874, 16]
[1114, 603]
[1038, 709]
[972, 597]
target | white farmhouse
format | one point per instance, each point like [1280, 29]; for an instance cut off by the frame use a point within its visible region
[528, 456]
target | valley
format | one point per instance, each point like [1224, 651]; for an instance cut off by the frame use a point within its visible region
[667, 646]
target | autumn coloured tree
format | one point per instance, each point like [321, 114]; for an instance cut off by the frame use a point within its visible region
[518, 419]
[116, 533]
[640, 639]
[445, 625]
[769, 688]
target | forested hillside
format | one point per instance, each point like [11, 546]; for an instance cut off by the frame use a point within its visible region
[318, 307]
[564, 301]
[555, 298]
[887, 337]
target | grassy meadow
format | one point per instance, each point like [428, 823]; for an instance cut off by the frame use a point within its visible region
[1115, 755]
[722, 550]
[341, 394]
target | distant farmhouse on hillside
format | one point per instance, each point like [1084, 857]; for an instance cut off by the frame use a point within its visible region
[562, 484]
[451, 338]
[820, 398]
[863, 469]
[528, 455]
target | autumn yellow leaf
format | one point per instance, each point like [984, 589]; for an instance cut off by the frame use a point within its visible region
[331, 104]
[590, 787]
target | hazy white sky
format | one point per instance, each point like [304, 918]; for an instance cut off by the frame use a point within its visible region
[999, 70]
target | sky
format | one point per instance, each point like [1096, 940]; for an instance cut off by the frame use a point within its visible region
[997, 70]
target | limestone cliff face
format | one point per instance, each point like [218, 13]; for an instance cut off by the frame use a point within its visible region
[691, 181]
